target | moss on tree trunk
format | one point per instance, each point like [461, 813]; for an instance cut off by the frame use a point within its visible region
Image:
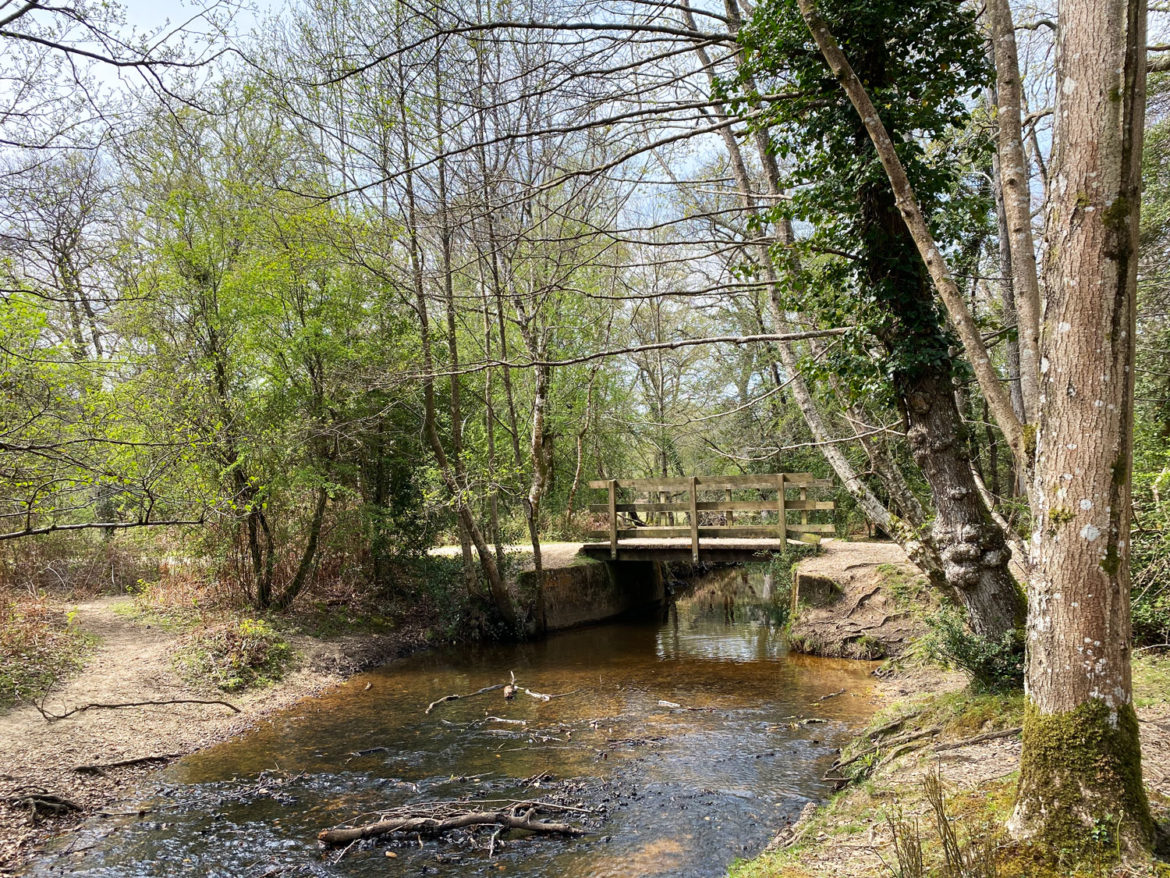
[1081, 781]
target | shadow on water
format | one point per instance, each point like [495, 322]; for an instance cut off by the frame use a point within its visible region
[670, 791]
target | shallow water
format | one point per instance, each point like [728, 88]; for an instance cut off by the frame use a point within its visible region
[663, 791]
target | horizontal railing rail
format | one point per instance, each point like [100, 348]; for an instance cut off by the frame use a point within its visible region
[660, 503]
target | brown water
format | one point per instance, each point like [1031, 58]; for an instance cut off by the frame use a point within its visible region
[669, 791]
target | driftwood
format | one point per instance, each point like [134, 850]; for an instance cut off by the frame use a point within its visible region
[510, 690]
[434, 826]
[53, 717]
[831, 695]
[100, 768]
[456, 697]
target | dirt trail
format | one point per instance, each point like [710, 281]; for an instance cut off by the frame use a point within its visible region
[132, 662]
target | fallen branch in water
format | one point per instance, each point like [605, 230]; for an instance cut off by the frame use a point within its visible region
[674, 705]
[510, 689]
[443, 818]
[53, 717]
[831, 695]
[456, 697]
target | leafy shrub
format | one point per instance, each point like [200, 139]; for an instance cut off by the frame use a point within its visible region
[236, 655]
[994, 665]
[38, 644]
[1151, 618]
[1150, 594]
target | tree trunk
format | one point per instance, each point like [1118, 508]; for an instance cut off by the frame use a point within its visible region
[1081, 760]
[1017, 202]
[900, 260]
[918, 550]
[964, 323]
[450, 474]
[308, 555]
[974, 554]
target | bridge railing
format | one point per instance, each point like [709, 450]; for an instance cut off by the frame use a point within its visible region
[666, 498]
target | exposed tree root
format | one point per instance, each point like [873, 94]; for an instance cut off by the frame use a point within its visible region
[978, 739]
[40, 802]
[100, 768]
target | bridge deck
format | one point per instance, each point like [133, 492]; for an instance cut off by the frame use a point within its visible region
[711, 550]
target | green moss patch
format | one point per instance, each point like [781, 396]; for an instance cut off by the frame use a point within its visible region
[1087, 757]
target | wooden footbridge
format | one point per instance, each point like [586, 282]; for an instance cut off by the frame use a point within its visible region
[727, 518]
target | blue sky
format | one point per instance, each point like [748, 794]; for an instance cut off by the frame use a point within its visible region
[147, 15]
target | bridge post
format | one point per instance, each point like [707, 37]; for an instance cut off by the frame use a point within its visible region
[783, 521]
[694, 521]
[613, 519]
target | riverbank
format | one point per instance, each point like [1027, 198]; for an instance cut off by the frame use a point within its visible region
[970, 745]
[88, 758]
[677, 741]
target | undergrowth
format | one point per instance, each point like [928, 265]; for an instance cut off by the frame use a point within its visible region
[39, 644]
[993, 665]
[234, 656]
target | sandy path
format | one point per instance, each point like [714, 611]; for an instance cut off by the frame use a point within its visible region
[132, 663]
[552, 554]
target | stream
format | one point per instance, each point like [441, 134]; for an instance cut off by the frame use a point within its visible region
[659, 789]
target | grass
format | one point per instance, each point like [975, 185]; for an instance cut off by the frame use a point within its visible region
[851, 834]
[909, 589]
[38, 646]
[1151, 679]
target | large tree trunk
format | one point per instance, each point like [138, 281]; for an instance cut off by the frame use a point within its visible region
[974, 553]
[972, 546]
[1081, 760]
[920, 551]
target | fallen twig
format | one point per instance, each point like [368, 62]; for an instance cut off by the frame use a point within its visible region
[831, 695]
[53, 717]
[456, 697]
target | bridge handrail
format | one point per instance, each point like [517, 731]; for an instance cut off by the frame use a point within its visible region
[692, 485]
[761, 482]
